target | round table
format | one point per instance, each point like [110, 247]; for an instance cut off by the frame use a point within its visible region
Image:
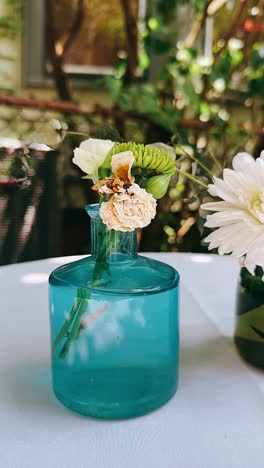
[215, 420]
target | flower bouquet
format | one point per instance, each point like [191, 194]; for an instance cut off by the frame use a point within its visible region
[114, 315]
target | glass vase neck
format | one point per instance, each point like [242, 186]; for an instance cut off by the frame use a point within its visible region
[108, 244]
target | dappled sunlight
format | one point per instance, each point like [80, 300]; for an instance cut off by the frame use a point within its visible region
[63, 260]
[203, 258]
[34, 278]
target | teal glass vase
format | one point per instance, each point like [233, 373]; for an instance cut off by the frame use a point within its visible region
[114, 328]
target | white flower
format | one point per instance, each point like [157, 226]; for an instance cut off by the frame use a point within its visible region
[57, 125]
[239, 216]
[40, 147]
[11, 143]
[133, 208]
[91, 155]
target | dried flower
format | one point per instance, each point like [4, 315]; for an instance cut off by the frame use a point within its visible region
[131, 209]
[121, 167]
[130, 206]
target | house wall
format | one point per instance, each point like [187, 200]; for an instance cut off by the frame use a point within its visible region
[12, 70]
[10, 54]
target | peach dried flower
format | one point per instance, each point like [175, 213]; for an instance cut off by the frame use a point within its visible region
[121, 167]
[133, 208]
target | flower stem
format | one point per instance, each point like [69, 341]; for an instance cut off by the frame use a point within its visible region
[78, 134]
[75, 328]
[198, 162]
[192, 178]
[65, 327]
[72, 326]
[215, 161]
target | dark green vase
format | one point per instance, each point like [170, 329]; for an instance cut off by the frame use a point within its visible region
[249, 331]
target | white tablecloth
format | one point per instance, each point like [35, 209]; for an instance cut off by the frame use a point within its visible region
[215, 420]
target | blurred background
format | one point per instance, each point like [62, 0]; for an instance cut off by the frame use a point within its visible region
[189, 73]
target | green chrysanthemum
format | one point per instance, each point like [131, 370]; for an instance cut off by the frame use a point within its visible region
[155, 164]
[146, 158]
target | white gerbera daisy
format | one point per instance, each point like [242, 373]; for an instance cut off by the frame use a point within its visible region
[239, 216]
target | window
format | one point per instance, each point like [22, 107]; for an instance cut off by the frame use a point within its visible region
[95, 47]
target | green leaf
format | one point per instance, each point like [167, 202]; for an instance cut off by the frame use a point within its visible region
[154, 23]
[236, 57]
[143, 60]
[200, 5]
[157, 45]
[114, 86]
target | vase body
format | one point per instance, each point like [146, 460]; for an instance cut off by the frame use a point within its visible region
[124, 361]
[249, 330]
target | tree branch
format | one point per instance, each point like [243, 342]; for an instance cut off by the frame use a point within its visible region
[237, 20]
[210, 9]
[71, 108]
[214, 6]
[77, 23]
[196, 27]
[132, 39]
[60, 78]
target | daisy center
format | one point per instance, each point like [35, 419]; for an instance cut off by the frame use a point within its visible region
[257, 206]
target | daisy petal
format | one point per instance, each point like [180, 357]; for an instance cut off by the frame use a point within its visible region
[217, 206]
[243, 161]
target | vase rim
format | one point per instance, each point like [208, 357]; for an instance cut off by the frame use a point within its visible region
[92, 209]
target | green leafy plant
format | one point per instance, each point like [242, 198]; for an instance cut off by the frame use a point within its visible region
[207, 103]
